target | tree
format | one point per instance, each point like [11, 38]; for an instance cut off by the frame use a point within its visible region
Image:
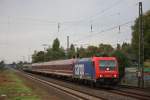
[118, 46]
[19, 64]
[38, 56]
[91, 51]
[71, 52]
[59, 54]
[122, 61]
[48, 55]
[56, 52]
[81, 52]
[146, 31]
[128, 51]
[105, 49]
[2, 65]
[56, 45]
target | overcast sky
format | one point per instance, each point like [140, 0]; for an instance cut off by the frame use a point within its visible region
[25, 25]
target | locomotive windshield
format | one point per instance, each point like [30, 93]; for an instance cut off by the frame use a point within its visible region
[107, 63]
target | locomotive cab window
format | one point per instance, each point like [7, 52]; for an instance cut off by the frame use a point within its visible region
[107, 63]
[103, 64]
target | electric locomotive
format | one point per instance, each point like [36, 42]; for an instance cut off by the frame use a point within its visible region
[102, 70]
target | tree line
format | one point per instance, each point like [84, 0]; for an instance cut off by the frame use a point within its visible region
[57, 52]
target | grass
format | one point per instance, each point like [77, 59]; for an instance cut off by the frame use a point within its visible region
[12, 87]
[147, 64]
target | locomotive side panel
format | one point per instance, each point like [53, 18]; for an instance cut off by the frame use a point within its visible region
[84, 69]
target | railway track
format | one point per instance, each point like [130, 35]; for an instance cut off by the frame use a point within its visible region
[131, 94]
[72, 92]
[88, 96]
[134, 88]
[139, 93]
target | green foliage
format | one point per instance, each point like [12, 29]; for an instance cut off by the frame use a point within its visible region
[122, 61]
[90, 51]
[146, 31]
[147, 63]
[105, 48]
[128, 51]
[56, 45]
[118, 47]
[19, 65]
[59, 54]
[2, 65]
[48, 55]
[71, 52]
[38, 56]
[81, 52]
[14, 88]
[54, 53]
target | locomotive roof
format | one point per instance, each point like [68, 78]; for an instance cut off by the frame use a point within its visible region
[104, 58]
[85, 59]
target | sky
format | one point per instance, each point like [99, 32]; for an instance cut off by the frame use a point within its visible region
[25, 25]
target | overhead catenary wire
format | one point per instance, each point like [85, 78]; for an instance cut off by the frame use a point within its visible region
[92, 23]
[102, 11]
[102, 31]
[56, 22]
[99, 13]
[74, 21]
[118, 13]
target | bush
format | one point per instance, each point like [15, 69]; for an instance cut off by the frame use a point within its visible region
[147, 63]
[2, 65]
[123, 62]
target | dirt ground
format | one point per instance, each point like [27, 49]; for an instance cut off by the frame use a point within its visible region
[12, 87]
[3, 80]
[37, 90]
[43, 91]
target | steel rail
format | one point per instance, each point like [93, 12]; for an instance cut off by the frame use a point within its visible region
[123, 93]
[131, 94]
[72, 92]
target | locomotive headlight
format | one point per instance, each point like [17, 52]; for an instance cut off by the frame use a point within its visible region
[107, 69]
[100, 75]
[115, 75]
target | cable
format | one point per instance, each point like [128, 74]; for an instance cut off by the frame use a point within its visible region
[93, 23]
[99, 13]
[109, 29]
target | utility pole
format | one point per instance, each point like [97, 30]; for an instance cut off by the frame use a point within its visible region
[67, 45]
[44, 45]
[141, 49]
[58, 26]
[67, 42]
[91, 28]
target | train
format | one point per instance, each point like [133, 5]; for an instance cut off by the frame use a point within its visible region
[99, 70]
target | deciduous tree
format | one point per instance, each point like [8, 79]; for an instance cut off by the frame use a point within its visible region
[146, 31]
